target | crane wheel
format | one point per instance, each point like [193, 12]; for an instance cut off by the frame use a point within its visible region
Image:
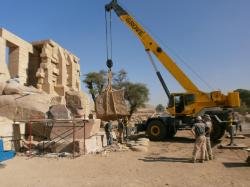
[217, 132]
[156, 130]
[171, 131]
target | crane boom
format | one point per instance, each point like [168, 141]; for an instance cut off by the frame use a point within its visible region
[151, 45]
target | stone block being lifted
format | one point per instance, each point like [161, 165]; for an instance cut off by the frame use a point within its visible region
[111, 105]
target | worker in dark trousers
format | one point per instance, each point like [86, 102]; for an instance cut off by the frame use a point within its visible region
[108, 129]
[125, 122]
[120, 131]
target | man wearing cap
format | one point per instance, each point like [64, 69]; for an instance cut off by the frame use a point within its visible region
[198, 131]
[208, 129]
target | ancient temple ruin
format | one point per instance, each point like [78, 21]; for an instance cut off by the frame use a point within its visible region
[42, 64]
[41, 81]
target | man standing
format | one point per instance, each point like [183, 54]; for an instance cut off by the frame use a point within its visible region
[230, 129]
[237, 122]
[208, 129]
[125, 122]
[198, 131]
[120, 130]
[108, 129]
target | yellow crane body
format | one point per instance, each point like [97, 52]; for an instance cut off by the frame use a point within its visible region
[201, 100]
[183, 107]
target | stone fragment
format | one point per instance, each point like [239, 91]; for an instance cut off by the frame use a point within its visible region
[130, 143]
[143, 143]
[78, 103]
[18, 107]
[143, 139]
[59, 112]
[139, 148]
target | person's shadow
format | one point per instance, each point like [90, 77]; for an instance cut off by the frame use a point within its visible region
[165, 159]
[181, 140]
[235, 164]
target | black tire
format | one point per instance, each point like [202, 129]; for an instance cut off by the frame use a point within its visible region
[156, 130]
[171, 131]
[217, 132]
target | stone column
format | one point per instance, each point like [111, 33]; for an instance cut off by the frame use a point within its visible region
[4, 72]
[18, 63]
[62, 77]
[48, 78]
[23, 65]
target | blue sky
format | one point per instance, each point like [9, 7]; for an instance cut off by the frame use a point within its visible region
[212, 36]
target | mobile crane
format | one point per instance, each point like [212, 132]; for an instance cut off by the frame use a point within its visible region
[183, 107]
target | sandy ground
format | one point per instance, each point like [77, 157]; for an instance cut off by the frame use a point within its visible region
[165, 164]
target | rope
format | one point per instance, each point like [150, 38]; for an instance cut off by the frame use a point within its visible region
[110, 32]
[106, 34]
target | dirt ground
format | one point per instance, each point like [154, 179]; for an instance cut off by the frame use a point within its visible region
[165, 164]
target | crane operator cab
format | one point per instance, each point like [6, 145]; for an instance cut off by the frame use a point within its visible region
[180, 103]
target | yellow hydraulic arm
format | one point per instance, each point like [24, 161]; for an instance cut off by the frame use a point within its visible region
[151, 45]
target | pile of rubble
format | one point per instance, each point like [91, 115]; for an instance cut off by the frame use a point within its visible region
[52, 123]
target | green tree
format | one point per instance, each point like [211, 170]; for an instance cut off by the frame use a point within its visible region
[245, 100]
[120, 77]
[136, 94]
[95, 82]
[244, 96]
[159, 108]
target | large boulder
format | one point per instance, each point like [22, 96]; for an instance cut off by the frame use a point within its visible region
[17, 107]
[111, 105]
[19, 102]
[78, 103]
[59, 112]
[13, 87]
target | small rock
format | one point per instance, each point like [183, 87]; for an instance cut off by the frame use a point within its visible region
[139, 148]
[131, 143]
[143, 139]
[143, 143]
